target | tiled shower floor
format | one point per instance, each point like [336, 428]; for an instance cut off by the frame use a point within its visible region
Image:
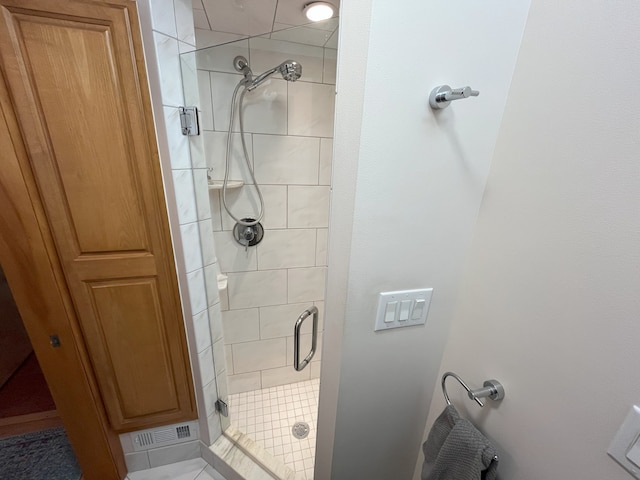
[268, 415]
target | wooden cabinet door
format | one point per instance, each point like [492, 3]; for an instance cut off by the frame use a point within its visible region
[76, 77]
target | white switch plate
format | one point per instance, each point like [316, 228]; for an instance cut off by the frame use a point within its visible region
[402, 296]
[624, 444]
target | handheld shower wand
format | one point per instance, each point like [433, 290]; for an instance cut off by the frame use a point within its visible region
[290, 71]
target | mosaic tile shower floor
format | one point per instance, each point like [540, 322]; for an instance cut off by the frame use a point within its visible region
[268, 416]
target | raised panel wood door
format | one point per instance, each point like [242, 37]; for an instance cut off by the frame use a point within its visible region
[77, 81]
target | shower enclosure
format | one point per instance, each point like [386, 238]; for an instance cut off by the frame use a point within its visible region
[265, 287]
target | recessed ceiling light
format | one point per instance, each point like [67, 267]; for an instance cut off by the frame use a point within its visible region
[318, 11]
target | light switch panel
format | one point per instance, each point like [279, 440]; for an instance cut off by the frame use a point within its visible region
[625, 446]
[402, 308]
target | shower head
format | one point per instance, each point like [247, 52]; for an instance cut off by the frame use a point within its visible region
[289, 69]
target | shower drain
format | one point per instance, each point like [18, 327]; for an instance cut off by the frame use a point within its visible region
[300, 430]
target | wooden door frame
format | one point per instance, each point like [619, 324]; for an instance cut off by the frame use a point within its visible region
[29, 259]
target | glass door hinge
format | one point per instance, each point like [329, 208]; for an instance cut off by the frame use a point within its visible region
[189, 121]
[222, 408]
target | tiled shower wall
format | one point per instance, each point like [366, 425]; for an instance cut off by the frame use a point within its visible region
[171, 32]
[289, 128]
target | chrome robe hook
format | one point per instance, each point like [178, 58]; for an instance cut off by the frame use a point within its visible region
[443, 95]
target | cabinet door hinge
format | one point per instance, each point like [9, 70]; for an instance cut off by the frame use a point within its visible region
[222, 408]
[189, 121]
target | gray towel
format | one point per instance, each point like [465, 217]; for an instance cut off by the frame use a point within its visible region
[456, 450]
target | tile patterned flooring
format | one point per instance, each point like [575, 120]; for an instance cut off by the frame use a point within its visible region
[268, 416]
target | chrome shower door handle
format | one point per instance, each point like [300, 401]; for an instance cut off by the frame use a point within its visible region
[297, 364]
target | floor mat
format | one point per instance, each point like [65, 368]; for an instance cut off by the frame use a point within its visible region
[44, 455]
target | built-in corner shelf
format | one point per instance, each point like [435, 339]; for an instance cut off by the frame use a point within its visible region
[217, 184]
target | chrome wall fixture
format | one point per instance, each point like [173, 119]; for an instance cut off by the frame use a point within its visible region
[491, 388]
[443, 95]
[297, 363]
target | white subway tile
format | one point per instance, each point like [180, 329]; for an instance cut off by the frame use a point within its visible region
[329, 68]
[206, 103]
[201, 188]
[211, 283]
[184, 47]
[268, 53]
[214, 205]
[222, 87]
[241, 325]
[137, 461]
[308, 207]
[266, 108]
[283, 160]
[197, 291]
[200, 20]
[279, 320]
[287, 249]
[205, 362]
[208, 38]
[304, 35]
[254, 289]
[243, 382]
[326, 157]
[315, 368]
[320, 306]
[244, 202]
[228, 353]
[207, 244]
[220, 58]
[185, 196]
[169, 66]
[321, 247]
[163, 17]
[283, 375]
[201, 331]
[251, 356]
[198, 152]
[214, 427]
[184, 21]
[190, 235]
[224, 300]
[210, 392]
[215, 322]
[233, 257]
[215, 145]
[306, 284]
[178, 143]
[189, 75]
[219, 361]
[311, 109]
[177, 453]
[333, 41]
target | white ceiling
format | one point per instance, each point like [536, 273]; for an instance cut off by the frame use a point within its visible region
[257, 17]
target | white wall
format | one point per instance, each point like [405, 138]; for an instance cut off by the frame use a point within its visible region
[407, 185]
[550, 302]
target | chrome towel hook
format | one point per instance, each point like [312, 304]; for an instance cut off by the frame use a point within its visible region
[443, 95]
[491, 388]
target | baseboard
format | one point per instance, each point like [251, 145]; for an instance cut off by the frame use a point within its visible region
[29, 423]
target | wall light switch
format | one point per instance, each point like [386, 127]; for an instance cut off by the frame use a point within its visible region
[625, 446]
[402, 308]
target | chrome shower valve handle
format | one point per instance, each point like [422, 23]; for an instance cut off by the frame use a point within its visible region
[443, 95]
